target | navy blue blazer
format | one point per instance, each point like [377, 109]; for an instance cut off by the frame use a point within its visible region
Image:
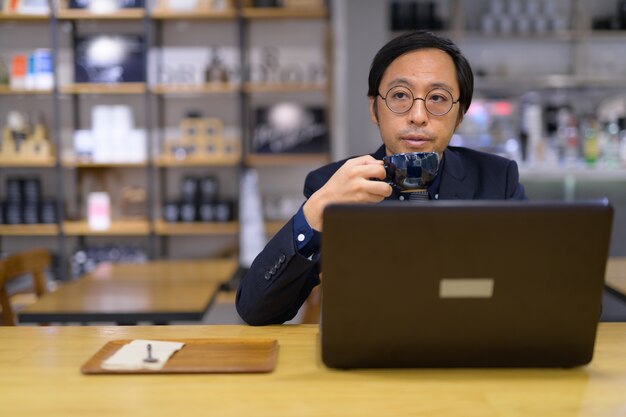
[264, 298]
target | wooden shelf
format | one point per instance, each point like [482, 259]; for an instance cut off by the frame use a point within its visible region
[548, 81]
[581, 173]
[268, 160]
[75, 163]
[28, 229]
[83, 14]
[187, 89]
[197, 161]
[95, 88]
[6, 90]
[118, 228]
[283, 13]
[283, 88]
[22, 162]
[195, 228]
[566, 35]
[24, 17]
[200, 14]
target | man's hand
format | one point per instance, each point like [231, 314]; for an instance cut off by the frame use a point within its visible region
[352, 183]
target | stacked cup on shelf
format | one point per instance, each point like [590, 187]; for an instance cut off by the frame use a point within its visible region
[198, 202]
[24, 203]
[531, 17]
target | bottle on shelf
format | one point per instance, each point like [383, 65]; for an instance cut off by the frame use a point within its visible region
[572, 141]
[591, 146]
[215, 71]
[4, 72]
[622, 140]
[611, 149]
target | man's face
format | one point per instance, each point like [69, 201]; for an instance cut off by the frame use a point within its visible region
[417, 130]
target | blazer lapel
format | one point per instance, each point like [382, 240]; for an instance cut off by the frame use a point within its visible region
[455, 185]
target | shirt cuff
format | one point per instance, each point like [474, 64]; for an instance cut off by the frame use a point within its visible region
[305, 238]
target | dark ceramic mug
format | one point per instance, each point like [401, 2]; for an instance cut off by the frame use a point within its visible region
[411, 171]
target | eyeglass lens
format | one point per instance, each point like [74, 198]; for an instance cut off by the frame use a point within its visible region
[437, 101]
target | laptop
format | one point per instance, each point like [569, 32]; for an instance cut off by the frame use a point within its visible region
[463, 283]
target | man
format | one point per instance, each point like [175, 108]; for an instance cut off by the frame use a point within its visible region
[420, 86]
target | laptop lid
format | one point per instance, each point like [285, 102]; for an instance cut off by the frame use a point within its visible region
[463, 283]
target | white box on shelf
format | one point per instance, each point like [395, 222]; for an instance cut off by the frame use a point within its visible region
[134, 149]
[44, 71]
[182, 5]
[33, 7]
[83, 144]
[102, 147]
[99, 211]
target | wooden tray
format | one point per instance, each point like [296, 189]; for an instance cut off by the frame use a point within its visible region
[199, 356]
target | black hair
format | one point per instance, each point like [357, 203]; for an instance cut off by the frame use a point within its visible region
[421, 39]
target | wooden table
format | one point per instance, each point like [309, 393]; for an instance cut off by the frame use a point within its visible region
[616, 277]
[157, 291]
[40, 376]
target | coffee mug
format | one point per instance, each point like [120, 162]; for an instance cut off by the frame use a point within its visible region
[411, 171]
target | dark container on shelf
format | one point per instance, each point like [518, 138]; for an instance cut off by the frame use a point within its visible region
[187, 212]
[621, 14]
[31, 190]
[30, 213]
[403, 15]
[14, 187]
[189, 189]
[208, 189]
[48, 211]
[267, 3]
[223, 211]
[206, 212]
[13, 213]
[171, 212]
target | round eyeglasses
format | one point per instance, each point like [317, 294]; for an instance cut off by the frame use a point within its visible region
[438, 101]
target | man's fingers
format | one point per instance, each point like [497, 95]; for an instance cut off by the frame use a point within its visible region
[364, 160]
[379, 188]
[370, 171]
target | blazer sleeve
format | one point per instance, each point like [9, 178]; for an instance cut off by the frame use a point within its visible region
[514, 189]
[280, 279]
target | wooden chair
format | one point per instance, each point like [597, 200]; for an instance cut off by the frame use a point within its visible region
[32, 262]
[312, 306]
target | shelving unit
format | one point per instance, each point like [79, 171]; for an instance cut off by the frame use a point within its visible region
[251, 88]
[168, 161]
[75, 163]
[574, 67]
[70, 102]
[274, 168]
[93, 88]
[167, 96]
[208, 15]
[29, 229]
[64, 13]
[282, 13]
[34, 101]
[202, 229]
[192, 89]
[117, 228]
[49, 162]
[6, 90]
[13, 17]
[286, 160]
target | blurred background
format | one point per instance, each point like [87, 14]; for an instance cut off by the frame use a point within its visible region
[184, 129]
